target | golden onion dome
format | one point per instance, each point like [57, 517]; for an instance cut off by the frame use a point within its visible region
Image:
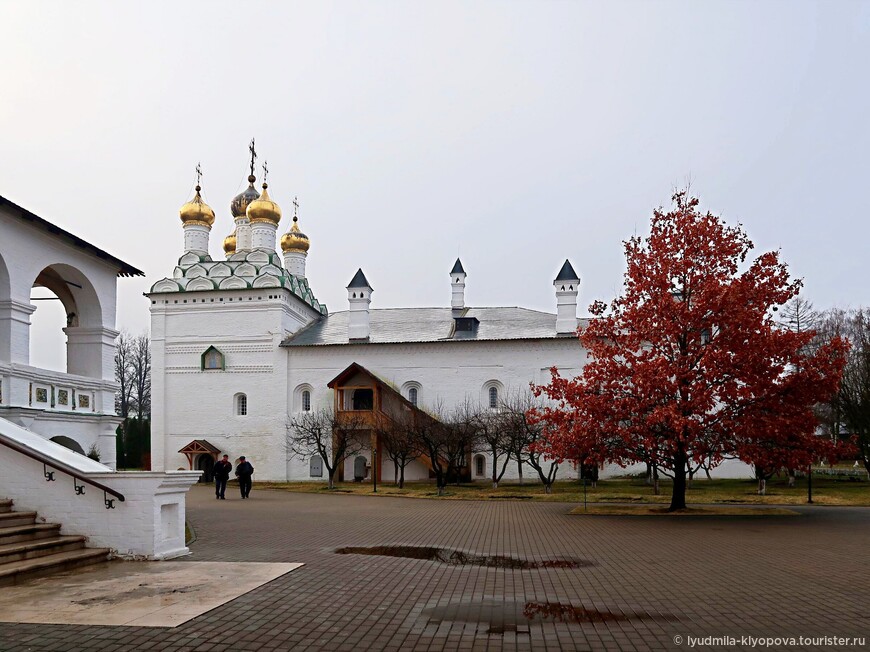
[241, 201]
[263, 209]
[196, 211]
[294, 239]
[230, 244]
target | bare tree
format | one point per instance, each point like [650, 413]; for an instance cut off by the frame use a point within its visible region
[397, 436]
[124, 375]
[333, 437]
[463, 424]
[141, 362]
[527, 435]
[849, 412]
[495, 440]
[432, 438]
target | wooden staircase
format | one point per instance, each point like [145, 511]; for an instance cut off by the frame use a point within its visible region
[29, 549]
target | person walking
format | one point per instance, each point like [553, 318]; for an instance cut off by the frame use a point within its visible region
[221, 470]
[244, 471]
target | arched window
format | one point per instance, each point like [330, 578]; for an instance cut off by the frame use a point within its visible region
[302, 395]
[493, 397]
[411, 391]
[241, 404]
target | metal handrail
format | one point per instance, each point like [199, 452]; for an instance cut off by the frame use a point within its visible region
[63, 468]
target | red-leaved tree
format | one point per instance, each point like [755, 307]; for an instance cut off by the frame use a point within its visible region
[689, 365]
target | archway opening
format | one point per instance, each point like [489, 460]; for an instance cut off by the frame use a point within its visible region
[68, 442]
[47, 340]
[205, 463]
[62, 326]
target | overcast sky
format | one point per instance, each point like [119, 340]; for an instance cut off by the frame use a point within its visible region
[516, 134]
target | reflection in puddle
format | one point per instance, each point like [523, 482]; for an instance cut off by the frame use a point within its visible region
[459, 558]
[500, 617]
[556, 612]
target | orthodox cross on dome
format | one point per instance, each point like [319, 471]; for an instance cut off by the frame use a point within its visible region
[252, 149]
[295, 208]
[265, 170]
[198, 173]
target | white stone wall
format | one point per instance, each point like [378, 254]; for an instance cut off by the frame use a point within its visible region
[196, 238]
[149, 523]
[443, 372]
[191, 403]
[294, 262]
[263, 235]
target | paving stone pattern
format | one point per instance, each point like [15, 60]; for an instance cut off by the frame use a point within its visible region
[654, 578]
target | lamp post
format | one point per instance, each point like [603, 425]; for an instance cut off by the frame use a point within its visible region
[375, 469]
[810, 483]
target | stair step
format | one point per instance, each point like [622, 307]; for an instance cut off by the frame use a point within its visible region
[16, 533]
[10, 552]
[5, 505]
[26, 569]
[8, 519]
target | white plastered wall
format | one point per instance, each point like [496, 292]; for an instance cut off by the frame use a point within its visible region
[26, 251]
[191, 403]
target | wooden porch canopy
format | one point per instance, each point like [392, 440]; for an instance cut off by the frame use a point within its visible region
[381, 389]
[199, 447]
[388, 406]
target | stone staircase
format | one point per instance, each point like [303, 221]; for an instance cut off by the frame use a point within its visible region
[29, 549]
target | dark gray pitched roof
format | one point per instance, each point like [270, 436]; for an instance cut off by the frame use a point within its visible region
[402, 325]
[457, 267]
[567, 273]
[359, 280]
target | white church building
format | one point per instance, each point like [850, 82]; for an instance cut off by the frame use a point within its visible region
[242, 345]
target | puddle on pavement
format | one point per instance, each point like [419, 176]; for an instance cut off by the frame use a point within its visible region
[515, 616]
[557, 612]
[459, 558]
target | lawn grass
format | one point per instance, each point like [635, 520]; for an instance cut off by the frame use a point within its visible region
[826, 491]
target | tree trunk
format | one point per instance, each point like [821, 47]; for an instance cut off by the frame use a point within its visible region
[520, 470]
[332, 479]
[655, 479]
[402, 477]
[678, 497]
[396, 472]
[548, 488]
[649, 473]
[791, 478]
[691, 477]
[762, 487]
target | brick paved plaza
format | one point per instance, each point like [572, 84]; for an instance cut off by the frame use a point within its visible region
[651, 578]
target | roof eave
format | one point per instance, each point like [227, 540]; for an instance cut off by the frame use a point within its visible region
[124, 269]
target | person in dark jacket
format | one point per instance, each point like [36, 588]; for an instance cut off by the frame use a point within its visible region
[244, 471]
[221, 471]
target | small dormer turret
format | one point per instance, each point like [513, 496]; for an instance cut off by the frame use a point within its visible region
[457, 286]
[567, 286]
[359, 296]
